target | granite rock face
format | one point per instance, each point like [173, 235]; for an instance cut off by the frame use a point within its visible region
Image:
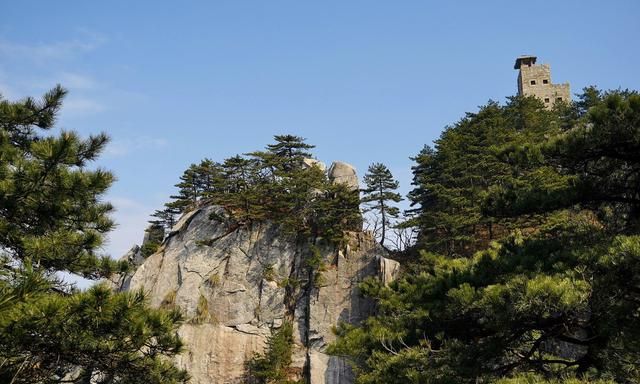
[308, 162]
[388, 270]
[253, 278]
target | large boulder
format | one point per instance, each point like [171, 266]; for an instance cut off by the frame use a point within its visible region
[343, 173]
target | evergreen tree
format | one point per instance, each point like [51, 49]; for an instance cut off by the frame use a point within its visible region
[451, 179]
[556, 299]
[209, 176]
[166, 217]
[379, 194]
[153, 237]
[274, 185]
[272, 368]
[189, 190]
[198, 182]
[289, 150]
[52, 219]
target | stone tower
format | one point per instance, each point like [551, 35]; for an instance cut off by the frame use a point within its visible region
[535, 80]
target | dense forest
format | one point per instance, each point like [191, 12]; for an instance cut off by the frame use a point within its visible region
[524, 266]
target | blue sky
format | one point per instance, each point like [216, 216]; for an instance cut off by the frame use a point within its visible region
[365, 81]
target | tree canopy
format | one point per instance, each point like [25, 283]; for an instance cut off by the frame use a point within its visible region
[53, 219]
[274, 185]
[379, 195]
[550, 297]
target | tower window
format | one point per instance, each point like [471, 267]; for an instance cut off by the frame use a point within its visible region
[546, 99]
[545, 81]
[559, 99]
[533, 82]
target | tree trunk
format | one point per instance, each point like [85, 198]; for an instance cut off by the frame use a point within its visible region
[384, 222]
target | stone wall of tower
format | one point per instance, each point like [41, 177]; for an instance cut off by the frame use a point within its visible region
[535, 80]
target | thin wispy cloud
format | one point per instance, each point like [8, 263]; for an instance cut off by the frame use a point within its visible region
[124, 147]
[30, 68]
[80, 106]
[45, 51]
[77, 81]
[12, 86]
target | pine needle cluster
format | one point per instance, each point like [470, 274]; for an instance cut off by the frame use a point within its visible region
[53, 219]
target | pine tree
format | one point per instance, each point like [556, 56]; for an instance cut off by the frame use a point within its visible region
[274, 185]
[272, 368]
[189, 190]
[555, 299]
[290, 147]
[53, 219]
[166, 217]
[209, 177]
[451, 179]
[380, 194]
[197, 182]
[289, 151]
[153, 237]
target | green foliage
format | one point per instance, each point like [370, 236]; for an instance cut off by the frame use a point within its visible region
[269, 273]
[316, 266]
[553, 299]
[46, 335]
[379, 195]
[202, 311]
[289, 282]
[273, 185]
[536, 379]
[153, 239]
[169, 300]
[53, 219]
[335, 211]
[594, 164]
[149, 248]
[273, 366]
[51, 213]
[166, 217]
[452, 179]
[197, 181]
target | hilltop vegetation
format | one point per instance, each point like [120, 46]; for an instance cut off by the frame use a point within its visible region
[525, 267]
[282, 184]
[527, 262]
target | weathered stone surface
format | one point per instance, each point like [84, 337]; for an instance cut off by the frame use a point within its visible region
[328, 369]
[308, 162]
[535, 80]
[217, 354]
[133, 256]
[388, 270]
[243, 274]
[338, 299]
[343, 173]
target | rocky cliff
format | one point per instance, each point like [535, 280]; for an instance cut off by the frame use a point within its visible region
[235, 284]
